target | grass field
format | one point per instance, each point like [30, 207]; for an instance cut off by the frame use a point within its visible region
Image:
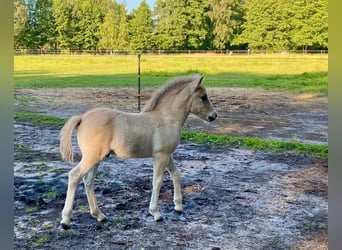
[295, 73]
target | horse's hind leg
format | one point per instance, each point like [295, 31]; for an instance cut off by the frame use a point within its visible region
[175, 174]
[89, 185]
[75, 176]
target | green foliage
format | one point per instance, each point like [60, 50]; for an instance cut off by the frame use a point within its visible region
[20, 19]
[31, 209]
[257, 144]
[77, 23]
[196, 29]
[113, 31]
[309, 21]
[283, 25]
[39, 26]
[38, 119]
[225, 17]
[265, 26]
[51, 194]
[87, 28]
[104, 24]
[141, 28]
[180, 24]
[38, 240]
[172, 24]
[66, 20]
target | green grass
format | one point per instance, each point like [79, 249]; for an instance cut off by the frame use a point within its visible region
[277, 146]
[52, 194]
[294, 73]
[313, 150]
[38, 119]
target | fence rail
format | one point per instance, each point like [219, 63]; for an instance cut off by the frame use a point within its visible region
[159, 52]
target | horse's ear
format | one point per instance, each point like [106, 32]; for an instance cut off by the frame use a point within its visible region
[196, 83]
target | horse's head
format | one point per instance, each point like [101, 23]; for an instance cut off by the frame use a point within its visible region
[201, 105]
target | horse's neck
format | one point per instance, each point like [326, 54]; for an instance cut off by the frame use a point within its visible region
[175, 112]
[173, 109]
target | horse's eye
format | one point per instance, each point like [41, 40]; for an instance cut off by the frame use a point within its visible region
[204, 98]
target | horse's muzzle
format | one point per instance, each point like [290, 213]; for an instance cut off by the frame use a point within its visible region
[212, 117]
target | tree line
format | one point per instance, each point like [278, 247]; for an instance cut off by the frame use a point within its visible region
[171, 25]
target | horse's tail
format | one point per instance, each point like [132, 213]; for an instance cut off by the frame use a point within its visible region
[65, 145]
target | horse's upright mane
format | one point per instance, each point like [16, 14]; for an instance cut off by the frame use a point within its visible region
[173, 84]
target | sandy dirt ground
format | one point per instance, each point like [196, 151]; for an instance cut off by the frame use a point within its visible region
[242, 111]
[233, 198]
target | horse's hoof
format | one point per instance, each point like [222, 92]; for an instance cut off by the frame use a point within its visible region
[101, 218]
[65, 226]
[65, 223]
[179, 208]
[159, 219]
[157, 216]
[178, 211]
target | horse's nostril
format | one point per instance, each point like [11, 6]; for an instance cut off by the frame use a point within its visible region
[212, 117]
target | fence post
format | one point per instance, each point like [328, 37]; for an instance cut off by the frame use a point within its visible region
[139, 56]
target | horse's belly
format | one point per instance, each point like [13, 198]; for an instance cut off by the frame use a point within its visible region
[127, 149]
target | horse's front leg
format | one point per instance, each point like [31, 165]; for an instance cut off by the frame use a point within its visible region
[175, 174]
[160, 161]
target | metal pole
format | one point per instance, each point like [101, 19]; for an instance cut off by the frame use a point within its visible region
[139, 56]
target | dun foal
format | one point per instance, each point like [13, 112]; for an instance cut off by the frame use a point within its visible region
[155, 132]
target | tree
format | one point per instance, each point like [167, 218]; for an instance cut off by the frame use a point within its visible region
[310, 24]
[78, 23]
[173, 24]
[39, 30]
[90, 17]
[238, 15]
[141, 28]
[20, 19]
[66, 17]
[123, 30]
[282, 25]
[180, 24]
[266, 25]
[114, 30]
[169, 24]
[219, 14]
[197, 26]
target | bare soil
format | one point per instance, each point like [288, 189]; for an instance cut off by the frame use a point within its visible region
[242, 111]
[233, 198]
